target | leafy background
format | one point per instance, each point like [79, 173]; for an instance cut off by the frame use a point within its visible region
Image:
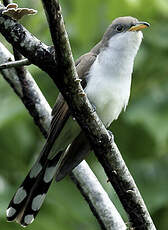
[141, 132]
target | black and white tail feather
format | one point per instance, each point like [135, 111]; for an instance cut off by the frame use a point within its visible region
[28, 199]
[30, 196]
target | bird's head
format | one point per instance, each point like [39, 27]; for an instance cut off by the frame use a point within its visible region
[124, 33]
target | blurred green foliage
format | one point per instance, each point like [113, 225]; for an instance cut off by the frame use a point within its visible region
[141, 132]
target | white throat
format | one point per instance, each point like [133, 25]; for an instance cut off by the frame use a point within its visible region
[109, 83]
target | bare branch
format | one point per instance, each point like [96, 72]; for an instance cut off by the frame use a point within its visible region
[28, 91]
[100, 139]
[99, 202]
[82, 175]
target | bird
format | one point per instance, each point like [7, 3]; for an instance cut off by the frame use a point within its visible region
[105, 73]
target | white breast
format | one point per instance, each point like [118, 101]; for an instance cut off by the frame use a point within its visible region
[109, 83]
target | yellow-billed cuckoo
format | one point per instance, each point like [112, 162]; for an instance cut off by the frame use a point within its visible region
[106, 78]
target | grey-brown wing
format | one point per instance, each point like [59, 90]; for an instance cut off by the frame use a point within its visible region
[61, 111]
[80, 146]
[72, 156]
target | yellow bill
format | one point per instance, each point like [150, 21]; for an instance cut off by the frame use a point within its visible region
[139, 26]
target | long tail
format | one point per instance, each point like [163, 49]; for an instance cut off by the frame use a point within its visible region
[28, 199]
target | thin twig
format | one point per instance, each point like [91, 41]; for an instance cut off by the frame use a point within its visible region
[15, 64]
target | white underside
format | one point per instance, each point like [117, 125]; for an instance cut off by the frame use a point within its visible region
[108, 87]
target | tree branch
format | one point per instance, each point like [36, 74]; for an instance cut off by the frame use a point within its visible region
[27, 44]
[28, 91]
[15, 64]
[105, 150]
[97, 198]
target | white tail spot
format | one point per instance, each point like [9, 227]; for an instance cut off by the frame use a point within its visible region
[19, 196]
[37, 202]
[10, 212]
[28, 219]
[49, 174]
[35, 170]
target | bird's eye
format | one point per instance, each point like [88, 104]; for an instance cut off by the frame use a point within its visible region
[120, 28]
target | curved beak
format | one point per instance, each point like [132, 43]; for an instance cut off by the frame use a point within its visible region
[139, 26]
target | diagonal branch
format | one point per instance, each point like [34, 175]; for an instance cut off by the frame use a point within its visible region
[82, 175]
[28, 91]
[99, 137]
[30, 98]
[107, 216]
